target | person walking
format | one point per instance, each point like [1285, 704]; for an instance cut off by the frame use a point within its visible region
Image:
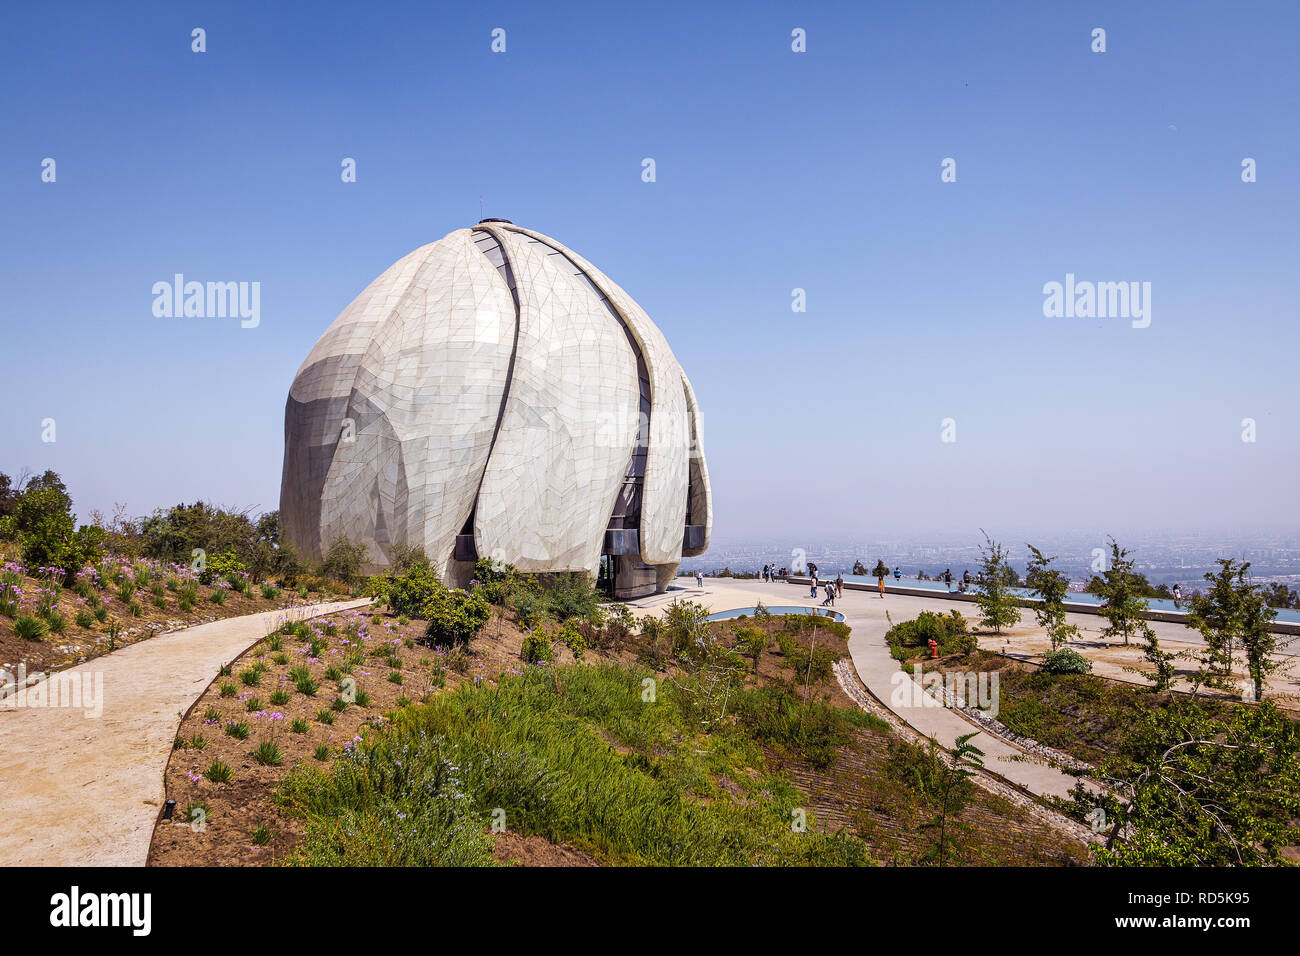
[947, 578]
[813, 592]
[699, 579]
[839, 584]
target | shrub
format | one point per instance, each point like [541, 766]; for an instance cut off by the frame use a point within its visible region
[322, 752]
[85, 619]
[40, 517]
[218, 772]
[261, 836]
[270, 592]
[30, 628]
[226, 566]
[1066, 661]
[494, 580]
[298, 725]
[268, 754]
[572, 638]
[343, 560]
[325, 716]
[814, 730]
[100, 614]
[947, 630]
[237, 729]
[537, 647]
[407, 594]
[251, 677]
[279, 697]
[454, 617]
[572, 595]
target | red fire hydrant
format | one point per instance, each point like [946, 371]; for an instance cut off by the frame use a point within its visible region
[934, 649]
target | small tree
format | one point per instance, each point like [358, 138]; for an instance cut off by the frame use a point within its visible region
[880, 571]
[998, 606]
[953, 792]
[1202, 786]
[343, 560]
[1121, 589]
[1233, 612]
[1259, 641]
[1051, 586]
[752, 641]
[1122, 605]
[708, 673]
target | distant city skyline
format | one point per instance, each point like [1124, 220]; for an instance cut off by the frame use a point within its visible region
[915, 182]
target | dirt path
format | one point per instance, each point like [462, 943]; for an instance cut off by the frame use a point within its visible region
[78, 789]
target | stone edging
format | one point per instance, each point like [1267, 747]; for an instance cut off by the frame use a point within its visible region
[849, 683]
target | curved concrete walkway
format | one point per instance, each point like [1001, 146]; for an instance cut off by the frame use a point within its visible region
[80, 790]
[865, 613]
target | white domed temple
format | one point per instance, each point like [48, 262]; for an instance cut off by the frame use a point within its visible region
[494, 394]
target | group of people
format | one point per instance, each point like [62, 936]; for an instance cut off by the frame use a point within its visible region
[833, 589]
[771, 573]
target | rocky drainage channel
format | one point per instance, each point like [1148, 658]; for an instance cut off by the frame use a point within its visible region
[848, 680]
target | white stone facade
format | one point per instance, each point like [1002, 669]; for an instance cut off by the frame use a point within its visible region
[493, 393]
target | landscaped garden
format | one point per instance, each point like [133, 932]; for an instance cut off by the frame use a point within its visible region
[71, 593]
[522, 721]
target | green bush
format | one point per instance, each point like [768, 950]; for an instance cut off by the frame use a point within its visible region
[41, 520]
[537, 647]
[494, 580]
[572, 638]
[343, 560]
[775, 716]
[910, 638]
[1066, 661]
[406, 595]
[226, 566]
[454, 617]
[571, 595]
[30, 628]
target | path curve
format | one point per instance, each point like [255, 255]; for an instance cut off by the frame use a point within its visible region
[865, 613]
[77, 790]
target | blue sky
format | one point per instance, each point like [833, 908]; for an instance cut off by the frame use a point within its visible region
[775, 171]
